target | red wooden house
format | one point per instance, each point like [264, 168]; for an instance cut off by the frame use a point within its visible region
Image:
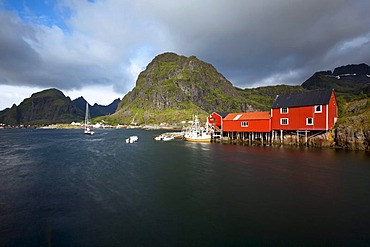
[247, 122]
[312, 111]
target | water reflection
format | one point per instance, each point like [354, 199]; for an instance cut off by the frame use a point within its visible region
[62, 188]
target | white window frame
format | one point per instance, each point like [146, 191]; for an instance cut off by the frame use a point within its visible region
[244, 124]
[284, 110]
[282, 119]
[307, 119]
[318, 110]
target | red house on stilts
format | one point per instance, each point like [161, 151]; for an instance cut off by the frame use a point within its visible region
[313, 111]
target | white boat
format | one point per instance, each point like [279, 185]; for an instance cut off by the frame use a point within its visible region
[132, 139]
[168, 138]
[87, 130]
[197, 133]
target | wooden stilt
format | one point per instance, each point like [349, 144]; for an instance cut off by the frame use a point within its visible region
[281, 136]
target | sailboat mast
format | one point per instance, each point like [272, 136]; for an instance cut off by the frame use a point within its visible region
[87, 114]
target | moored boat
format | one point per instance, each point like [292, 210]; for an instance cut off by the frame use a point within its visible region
[168, 138]
[132, 139]
[87, 130]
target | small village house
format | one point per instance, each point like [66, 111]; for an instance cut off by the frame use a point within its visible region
[215, 120]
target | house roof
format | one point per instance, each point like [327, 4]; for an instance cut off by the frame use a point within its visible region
[222, 114]
[247, 116]
[321, 97]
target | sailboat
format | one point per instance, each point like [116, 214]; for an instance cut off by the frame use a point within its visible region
[87, 130]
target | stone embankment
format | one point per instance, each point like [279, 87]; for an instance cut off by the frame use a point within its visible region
[321, 140]
[340, 137]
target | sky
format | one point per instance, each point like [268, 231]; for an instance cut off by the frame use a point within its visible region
[97, 48]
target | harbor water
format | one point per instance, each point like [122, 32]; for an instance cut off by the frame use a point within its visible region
[64, 188]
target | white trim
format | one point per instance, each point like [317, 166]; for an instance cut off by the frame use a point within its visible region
[327, 117]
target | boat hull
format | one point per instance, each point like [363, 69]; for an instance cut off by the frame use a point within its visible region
[195, 139]
[88, 132]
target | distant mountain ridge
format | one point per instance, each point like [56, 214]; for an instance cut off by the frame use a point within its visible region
[353, 69]
[97, 110]
[51, 106]
[350, 79]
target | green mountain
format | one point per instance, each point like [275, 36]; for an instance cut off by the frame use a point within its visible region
[173, 88]
[45, 107]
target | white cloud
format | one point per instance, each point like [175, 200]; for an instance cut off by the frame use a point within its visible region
[15, 95]
[95, 94]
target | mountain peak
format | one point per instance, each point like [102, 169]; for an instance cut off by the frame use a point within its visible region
[177, 83]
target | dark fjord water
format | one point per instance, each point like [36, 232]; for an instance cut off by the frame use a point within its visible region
[62, 188]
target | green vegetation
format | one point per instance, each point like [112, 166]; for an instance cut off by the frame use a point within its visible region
[355, 113]
[263, 97]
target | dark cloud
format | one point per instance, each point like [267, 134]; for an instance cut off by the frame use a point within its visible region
[18, 59]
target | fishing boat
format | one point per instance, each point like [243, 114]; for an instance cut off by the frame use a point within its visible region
[87, 130]
[197, 133]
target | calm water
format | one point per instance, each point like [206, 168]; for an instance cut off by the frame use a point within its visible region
[62, 188]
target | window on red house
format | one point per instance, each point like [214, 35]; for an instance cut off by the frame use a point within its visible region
[284, 121]
[284, 110]
[244, 124]
[309, 121]
[318, 108]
